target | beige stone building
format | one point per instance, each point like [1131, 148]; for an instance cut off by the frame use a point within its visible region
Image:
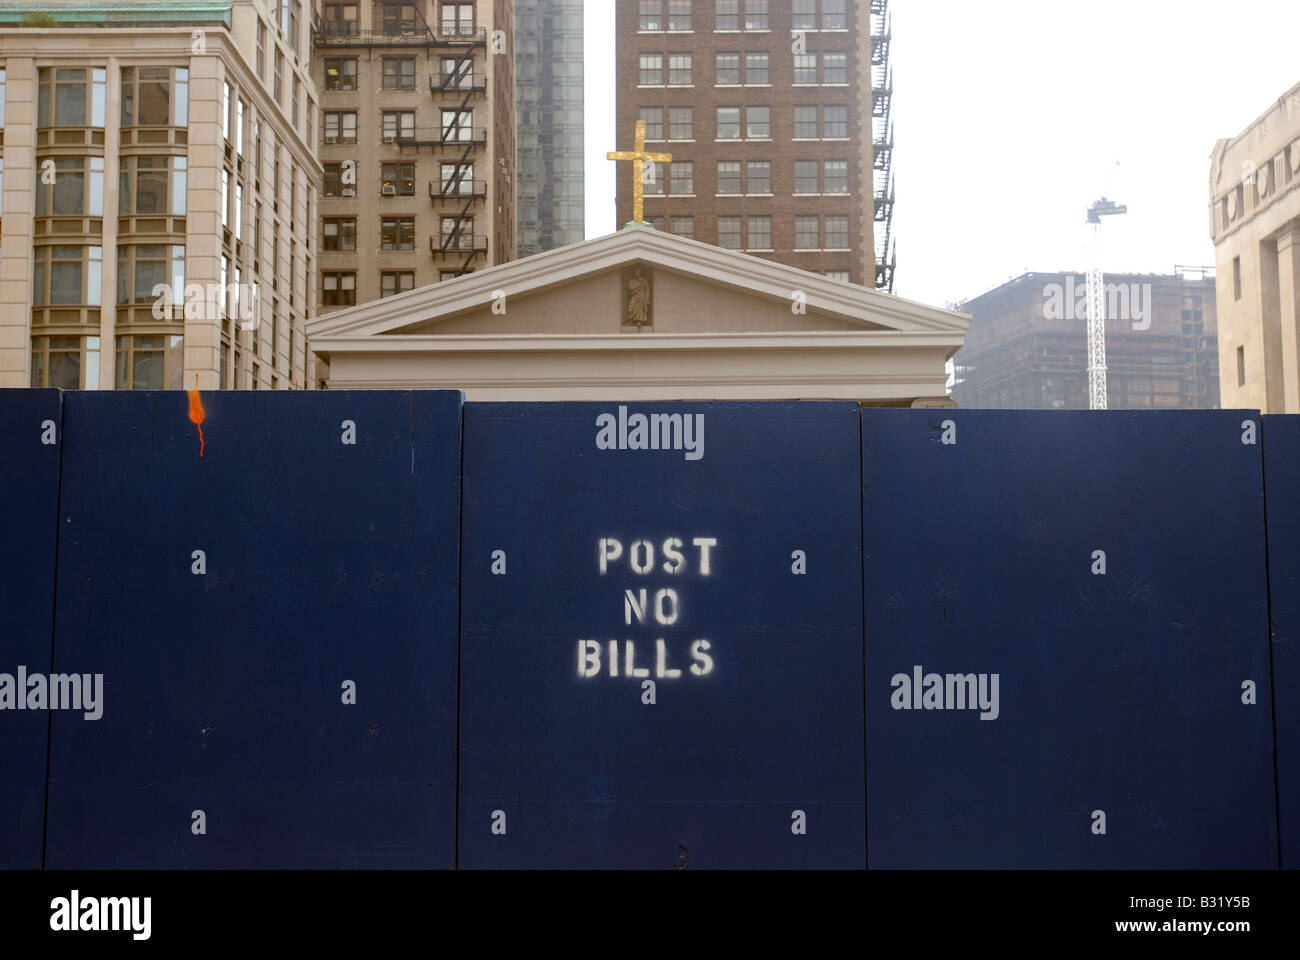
[417, 142]
[641, 314]
[158, 202]
[1255, 225]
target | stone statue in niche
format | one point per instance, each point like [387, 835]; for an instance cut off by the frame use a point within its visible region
[637, 310]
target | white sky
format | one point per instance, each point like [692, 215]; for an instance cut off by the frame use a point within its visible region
[1009, 118]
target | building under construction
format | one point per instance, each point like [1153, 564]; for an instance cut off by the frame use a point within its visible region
[1028, 345]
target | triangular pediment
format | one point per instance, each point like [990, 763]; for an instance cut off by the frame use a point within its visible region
[581, 289]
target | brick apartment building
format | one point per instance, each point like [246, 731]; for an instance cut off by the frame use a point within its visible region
[417, 143]
[766, 107]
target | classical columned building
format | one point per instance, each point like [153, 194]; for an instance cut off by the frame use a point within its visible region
[644, 315]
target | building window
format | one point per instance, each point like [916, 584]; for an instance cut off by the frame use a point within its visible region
[341, 127]
[681, 124]
[279, 78]
[458, 178]
[805, 123]
[67, 275]
[456, 125]
[457, 234]
[397, 233]
[340, 233]
[151, 362]
[835, 123]
[297, 95]
[804, 15]
[69, 363]
[760, 234]
[341, 73]
[834, 16]
[655, 223]
[152, 186]
[805, 68]
[805, 176]
[1236, 279]
[683, 227]
[395, 282]
[399, 72]
[679, 15]
[758, 123]
[456, 73]
[653, 185]
[757, 69]
[71, 97]
[728, 176]
[1241, 366]
[334, 185]
[756, 15]
[728, 69]
[836, 176]
[652, 70]
[398, 180]
[835, 68]
[837, 232]
[341, 20]
[838, 275]
[728, 123]
[682, 178]
[338, 289]
[807, 233]
[77, 190]
[679, 69]
[759, 177]
[726, 15]
[729, 233]
[650, 15]
[261, 50]
[399, 125]
[653, 118]
[458, 19]
[147, 97]
[398, 19]
[143, 270]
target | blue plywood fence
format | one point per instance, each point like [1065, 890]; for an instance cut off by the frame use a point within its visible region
[391, 629]
[1282, 489]
[272, 609]
[31, 436]
[1067, 646]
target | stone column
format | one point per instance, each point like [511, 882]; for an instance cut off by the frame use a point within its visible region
[203, 217]
[17, 212]
[1288, 272]
[108, 283]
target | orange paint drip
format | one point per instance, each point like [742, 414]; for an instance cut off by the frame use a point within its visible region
[196, 411]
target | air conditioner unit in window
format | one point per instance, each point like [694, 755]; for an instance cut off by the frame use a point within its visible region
[349, 192]
[390, 139]
[331, 139]
[390, 190]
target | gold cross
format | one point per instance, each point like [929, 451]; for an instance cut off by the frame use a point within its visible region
[639, 157]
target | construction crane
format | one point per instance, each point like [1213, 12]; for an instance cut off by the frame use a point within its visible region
[1097, 304]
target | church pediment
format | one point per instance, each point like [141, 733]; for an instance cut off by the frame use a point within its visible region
[635, 282]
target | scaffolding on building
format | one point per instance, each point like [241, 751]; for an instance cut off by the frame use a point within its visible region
[882, 144]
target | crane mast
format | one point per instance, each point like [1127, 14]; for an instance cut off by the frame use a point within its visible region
[1097, 304]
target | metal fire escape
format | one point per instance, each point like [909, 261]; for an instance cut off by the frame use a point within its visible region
[882, 144]
[456, 194]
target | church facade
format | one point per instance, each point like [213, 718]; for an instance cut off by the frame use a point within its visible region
[644, 315]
